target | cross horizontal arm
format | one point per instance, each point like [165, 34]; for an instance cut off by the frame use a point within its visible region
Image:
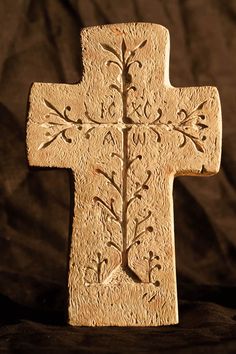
[53, 123]
[189, 130]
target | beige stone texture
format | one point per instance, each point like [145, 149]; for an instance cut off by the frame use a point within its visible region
[126, 133]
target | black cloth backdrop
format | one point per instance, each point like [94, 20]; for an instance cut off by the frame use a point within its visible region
[40, 41]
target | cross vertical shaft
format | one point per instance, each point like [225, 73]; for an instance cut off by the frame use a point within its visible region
[124, 194]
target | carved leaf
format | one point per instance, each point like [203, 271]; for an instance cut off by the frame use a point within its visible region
[135, 62]
[202, 126]
[198, 145]
[200, 105]
[182, 114]
[141, 45]
[63, 134]
[49, 105]
[123, 46]
[113, 86]
[44, 145]
[109, 62]
[132, 52]
[110, 49]
[147, 108]
[150, 254]
[190, 122]
[184, 142]
[50, 124]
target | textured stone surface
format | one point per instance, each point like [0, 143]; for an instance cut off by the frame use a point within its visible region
[125, 132]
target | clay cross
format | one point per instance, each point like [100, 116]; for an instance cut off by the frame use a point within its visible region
[126, 133]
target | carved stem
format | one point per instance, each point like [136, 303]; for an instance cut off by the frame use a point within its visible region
[125, 159]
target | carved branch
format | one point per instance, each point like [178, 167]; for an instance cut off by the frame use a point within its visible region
[188, 115]
[131, 200]
[137, 235]
[134, 62]
[99, 261]
[87, 133]
[150, 265]
[113, 244]
[157, 134]
[195, 140]
[117, 155]
[132, 52]
[143, 186]
[63, 127]
[112, 62]
[157, 120]
[88, 115]
[130, 162]
[109, 208]
[110, 179]
[111, 50]
[54, 137]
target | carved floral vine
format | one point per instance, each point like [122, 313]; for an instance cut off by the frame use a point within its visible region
[152, 264]
[188, 125]
[96, 268]
[59, 128]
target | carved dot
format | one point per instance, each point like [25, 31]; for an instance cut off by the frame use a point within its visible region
[68, 108]
[79, 127]
[87, 136]
[204, 138]
[128, 120]
[169, 122]
[157, 283]
[138, 242]
[150, 229]
[145, 187]
[139, 157]
[79, 121]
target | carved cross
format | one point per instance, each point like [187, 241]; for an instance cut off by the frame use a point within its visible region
[126, 133]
